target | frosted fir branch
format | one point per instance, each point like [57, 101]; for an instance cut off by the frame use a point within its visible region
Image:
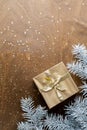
[56, 122]
[28, 107]
[39, 115]
[84, 89]
[27, 126]
[23, 126]
[78, 112]
[76, 118]
[77, 69]
[33, 116]
[80, 53]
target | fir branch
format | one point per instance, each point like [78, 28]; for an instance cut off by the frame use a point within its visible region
[77, 111]
[84, 89]
[28, 126]
[80, 53]
[34, 117]
[56, 122]
[77, 69]
[25, 126]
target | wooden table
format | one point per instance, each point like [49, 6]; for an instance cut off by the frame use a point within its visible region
[34, 35]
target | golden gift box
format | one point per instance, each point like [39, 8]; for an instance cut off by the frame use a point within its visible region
[55, 85]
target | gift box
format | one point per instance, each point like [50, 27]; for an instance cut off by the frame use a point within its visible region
[55, 85]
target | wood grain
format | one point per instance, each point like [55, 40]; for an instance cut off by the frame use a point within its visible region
[34, 36]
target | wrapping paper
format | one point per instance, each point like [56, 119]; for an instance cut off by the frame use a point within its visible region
[67, 85]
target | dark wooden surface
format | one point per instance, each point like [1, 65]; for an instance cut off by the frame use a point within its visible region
[34, 35]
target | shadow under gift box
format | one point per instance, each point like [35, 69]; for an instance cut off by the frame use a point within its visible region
[60, 89]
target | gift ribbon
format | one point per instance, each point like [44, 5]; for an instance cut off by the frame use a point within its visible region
[56, 86]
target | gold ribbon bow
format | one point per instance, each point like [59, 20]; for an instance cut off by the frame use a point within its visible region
[56, 85]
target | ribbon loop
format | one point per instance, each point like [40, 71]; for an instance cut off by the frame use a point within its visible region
[55, 85]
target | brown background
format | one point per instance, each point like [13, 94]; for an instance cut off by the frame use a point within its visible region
[34, 35]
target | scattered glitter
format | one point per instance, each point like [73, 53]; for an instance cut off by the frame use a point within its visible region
[40, 13]
[29, 22]
[27, 29]
[13, 55]
[83, 3]
[17, 112]
[69, 8]
[25, 32]
[30, 27]
[37, 39]
[42, 56]
[52, 16]
[22, 17]
[17, 41]
[8, 9]
[28, 58]
[60, 20]
[48, 36]
[57, 31]
[68, 33]
[20, 40]
[15, 35]
[4, 41]
[59, 8]
[57, 21]
[54, 37]
[12, 22]
[50, 48]
[25, 50]
[10, 43]
[38, 32]
[1, 32]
